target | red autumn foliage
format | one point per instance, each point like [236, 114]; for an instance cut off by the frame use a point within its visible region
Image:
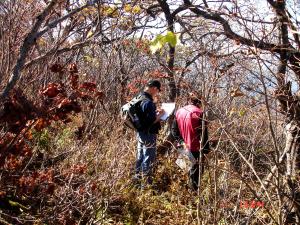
[56, 68]
[79, 169]
[17, 111]
[100, 95]
[12, 162]
[52, 90]
[73, 68]
[74, 80]
[90, 86]
[22, 168]
[40, 124]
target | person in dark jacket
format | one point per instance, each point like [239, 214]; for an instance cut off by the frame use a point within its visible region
[149, 117]
[187, 128]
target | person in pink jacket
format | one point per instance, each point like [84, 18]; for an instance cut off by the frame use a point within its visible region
[187, 128]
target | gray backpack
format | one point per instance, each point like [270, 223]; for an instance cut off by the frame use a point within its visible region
[129, 113]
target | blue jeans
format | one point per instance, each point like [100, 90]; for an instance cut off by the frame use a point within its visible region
[146, 153]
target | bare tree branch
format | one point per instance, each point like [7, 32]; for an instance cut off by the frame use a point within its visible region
[25, 48]
[230, 33]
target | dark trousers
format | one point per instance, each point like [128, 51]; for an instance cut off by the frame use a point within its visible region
[194, 172]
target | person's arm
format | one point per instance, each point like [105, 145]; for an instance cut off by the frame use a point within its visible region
[206, 148]
[159, 115]
[175, 131]
[149, 110]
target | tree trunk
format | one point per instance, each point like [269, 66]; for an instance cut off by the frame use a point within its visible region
[292, 146]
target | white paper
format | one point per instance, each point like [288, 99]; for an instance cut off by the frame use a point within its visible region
[169, 109]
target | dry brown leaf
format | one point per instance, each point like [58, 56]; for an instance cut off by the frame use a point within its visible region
[236, 93]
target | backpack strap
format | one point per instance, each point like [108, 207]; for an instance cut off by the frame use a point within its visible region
[137, 99]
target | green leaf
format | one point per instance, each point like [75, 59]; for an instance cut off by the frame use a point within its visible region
[157, 43]
[171, 38]
[17, 204]
[154, 48]
[161, 40]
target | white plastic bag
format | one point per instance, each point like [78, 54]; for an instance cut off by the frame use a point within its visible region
[185, 160]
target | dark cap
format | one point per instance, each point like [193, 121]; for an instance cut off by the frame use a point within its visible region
[154, 83]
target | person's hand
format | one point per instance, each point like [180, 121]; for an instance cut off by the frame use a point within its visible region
[160, 112]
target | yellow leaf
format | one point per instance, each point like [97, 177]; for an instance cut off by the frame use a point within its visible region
[90, 34]
[115, 14]
[89, 11]
[41, 42]
[136, 9]
[88, 58]
[127, 8]
[110, 11]
[242, 112]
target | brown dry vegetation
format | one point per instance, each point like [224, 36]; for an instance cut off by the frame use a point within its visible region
[66, 69]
